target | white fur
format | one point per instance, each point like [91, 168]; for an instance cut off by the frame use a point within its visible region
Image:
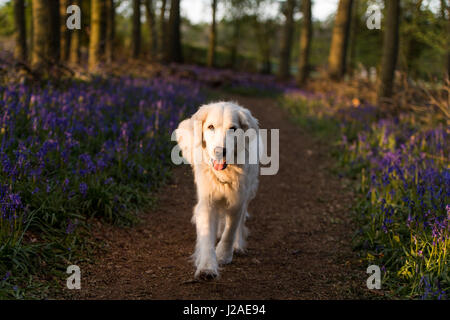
[223, 196]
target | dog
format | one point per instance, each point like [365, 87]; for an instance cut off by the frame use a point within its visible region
[224, 187]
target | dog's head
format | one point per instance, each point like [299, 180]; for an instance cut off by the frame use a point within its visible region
[214, 131]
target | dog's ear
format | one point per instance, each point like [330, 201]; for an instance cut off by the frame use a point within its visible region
[247, 121]
[189, 133]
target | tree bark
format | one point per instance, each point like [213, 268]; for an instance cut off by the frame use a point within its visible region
[103, 27]
[174, 53]
[162, 31]
[20, 49]
[353, 37]
[446, 8]
[305, 43]
[339, 40]
[150, 15]
[95, 36]
[390, 50]
[136, 39]
[54, 33]
[286, 44]
[235, 43]
[212, 37]
[65, 32]
[110, 30]
[75, 43]
[41, 27]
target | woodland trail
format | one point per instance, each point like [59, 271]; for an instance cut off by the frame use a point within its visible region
[299, 245]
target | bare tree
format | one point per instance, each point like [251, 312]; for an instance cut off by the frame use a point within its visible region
[446, 9]
[162, 30]
[41, 27]
[150, 17]
[95, 35]
[339, 40]
[110, 30]
[286, 44]
[212, 36]
[64, 32]
[20, 49]
[305, 43]
[174, 53]
[75, 43]
[54, 52]
[390, 50]
[136, 39]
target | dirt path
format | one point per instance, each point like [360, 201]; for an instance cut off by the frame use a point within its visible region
[298, 248]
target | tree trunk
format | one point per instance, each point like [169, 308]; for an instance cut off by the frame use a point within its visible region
[75, 43]
[95, 35]
[162, 31]
[305, 43]
[446, 8]
[20, 49]
[110, 30]
[103, 27]
[235, 43]
[212, 37]
[136, 40]
[150, 15]
[41, 27]
[353, 38]
[65, 32]
[339, 40]
[286, 44]
[390, 50]
[448, 42]
[174, 53]
[54, 52]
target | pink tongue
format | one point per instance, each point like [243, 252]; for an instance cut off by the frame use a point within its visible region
[219, 165]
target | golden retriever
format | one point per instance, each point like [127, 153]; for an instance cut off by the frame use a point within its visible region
[217, 141]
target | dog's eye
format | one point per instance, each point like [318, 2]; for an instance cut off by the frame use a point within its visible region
[211, 127]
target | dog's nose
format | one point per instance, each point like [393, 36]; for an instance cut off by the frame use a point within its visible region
[220, 152]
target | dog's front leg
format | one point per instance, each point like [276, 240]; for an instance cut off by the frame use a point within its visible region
[205, 217]
[224, 249]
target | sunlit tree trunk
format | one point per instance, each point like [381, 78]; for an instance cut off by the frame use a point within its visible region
[286, 44]
[212, 36]
[110, 30]
[305, 43]
[95, 35]
[150, 15]
[41, 27]
[162, 31]
[390, 49]
[136, 39]
[174, 53]
[75, 43]
[339, 40]
[20, 49]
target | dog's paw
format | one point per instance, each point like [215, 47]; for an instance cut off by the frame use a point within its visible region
[206, 274]
[223, 256]
[240, 250]
[207, 269]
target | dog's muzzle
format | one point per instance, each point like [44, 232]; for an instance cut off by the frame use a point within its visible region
[219, 163]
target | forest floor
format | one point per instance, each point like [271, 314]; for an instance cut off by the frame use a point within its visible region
[299, 245]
